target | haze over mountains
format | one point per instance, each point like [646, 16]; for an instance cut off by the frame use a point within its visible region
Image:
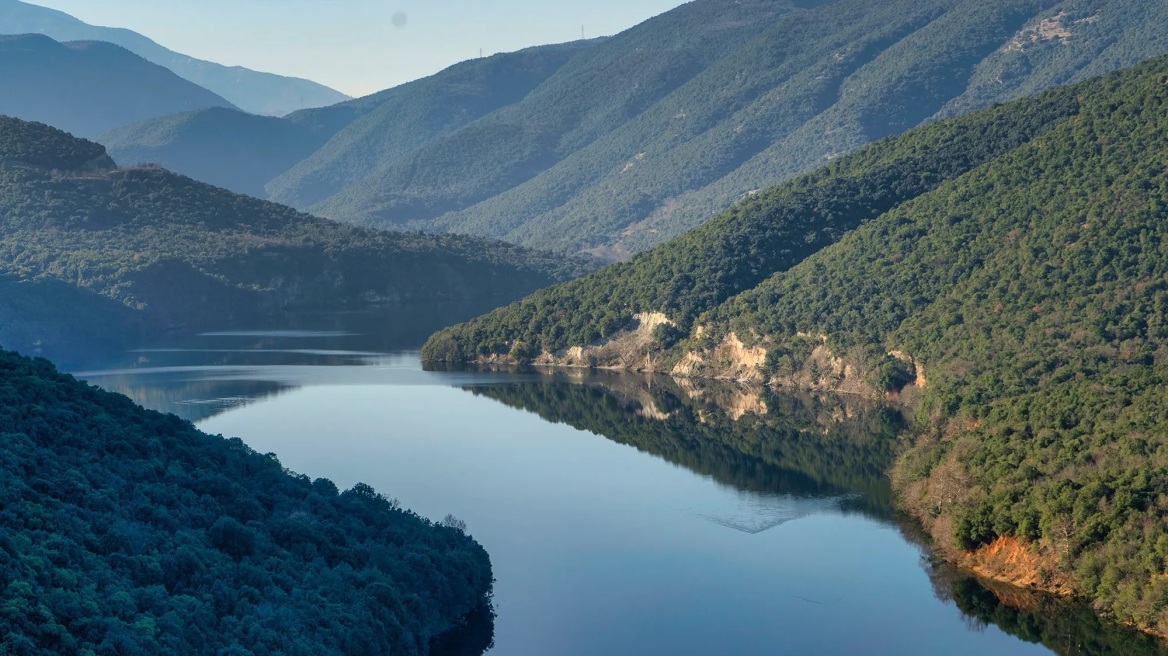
[932, 204]
[312, 154]
[89, 87]
[92, 252]
[636, 138]
[252, 91]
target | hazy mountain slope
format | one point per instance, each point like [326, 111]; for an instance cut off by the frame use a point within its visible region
[1018, 308]
[850, 91]
[396, 122]
[227, 148]
[255, 92]
[88, 87]
[588, 97]
[180, 253]
[311, 154]
[794, 90]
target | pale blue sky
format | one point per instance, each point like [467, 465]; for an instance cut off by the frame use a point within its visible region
[355, 45]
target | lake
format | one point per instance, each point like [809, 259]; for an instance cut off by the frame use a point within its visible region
[624, 514]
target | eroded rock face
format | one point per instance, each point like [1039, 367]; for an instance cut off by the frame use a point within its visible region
[632, 348]
[1018, 563]
[638, 348]
[729, 360]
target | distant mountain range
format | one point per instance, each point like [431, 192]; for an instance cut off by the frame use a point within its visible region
[88, 87]
[251, 91]
[310, 155]
[634, 139]
[90, 252]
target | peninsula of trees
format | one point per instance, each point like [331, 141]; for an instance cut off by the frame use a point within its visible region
[125, 531]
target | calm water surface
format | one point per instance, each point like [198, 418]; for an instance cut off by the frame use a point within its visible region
[623, 514]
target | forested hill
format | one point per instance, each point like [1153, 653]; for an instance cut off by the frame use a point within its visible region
[176, 253]
[1004, 273]
[89, 87]
[253, 91]
[615, 145]
[310, 155]
[125, 531]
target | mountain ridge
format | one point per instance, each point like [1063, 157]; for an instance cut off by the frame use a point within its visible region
[255, 92]
[88, 87]
[641, 136]
[310, 154]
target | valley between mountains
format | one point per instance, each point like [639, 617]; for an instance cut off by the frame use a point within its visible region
[768, 293]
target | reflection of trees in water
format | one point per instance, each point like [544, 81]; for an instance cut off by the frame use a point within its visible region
[819, 449]
[804, 446]
[177, 373]
[1065, 627]
[473, 638]
[193, 400]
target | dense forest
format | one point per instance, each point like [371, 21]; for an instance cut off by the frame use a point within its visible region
[89, 87]
[180, 254]
[129, 532]
[1018, 305]
[772, 231]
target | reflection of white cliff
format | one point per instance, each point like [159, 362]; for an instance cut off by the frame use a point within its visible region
[753, 514]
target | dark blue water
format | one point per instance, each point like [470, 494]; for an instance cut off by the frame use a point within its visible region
[623, 514]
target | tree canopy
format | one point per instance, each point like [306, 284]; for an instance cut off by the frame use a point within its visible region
[126, 531]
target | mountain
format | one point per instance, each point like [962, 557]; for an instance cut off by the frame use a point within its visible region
[661, 127]
[173, 253]
[161, 539]
[88, 87]
[224, 147]
[252, 91]
[311, 154]
[616, 145]
[1001, 275]
[401, 120]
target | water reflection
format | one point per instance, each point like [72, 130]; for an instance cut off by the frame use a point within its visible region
[202, 375]
[1065, 627]
[828, 448]
[731, 560]
[796, 455]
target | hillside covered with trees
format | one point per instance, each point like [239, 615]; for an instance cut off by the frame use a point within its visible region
[309, 155]
[615, 145]
[174, 253]
[129, 532]
[1010, 289]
